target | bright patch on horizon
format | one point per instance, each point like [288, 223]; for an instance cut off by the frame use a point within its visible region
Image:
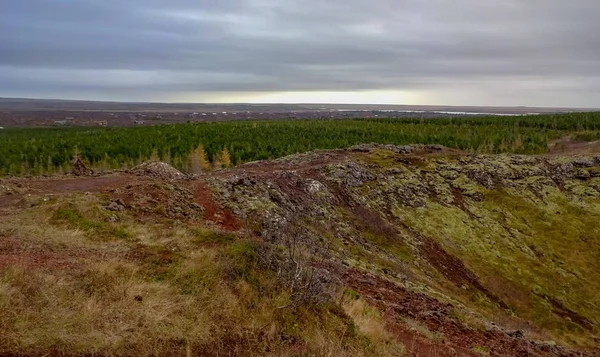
[359, 97]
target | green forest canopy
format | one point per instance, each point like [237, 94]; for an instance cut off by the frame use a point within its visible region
[48, 150]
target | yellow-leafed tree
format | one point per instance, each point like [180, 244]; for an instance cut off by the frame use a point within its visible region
[225, 158]
[198, 160]
[204, 163]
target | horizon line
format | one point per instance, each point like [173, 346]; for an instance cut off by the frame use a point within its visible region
[286, 103]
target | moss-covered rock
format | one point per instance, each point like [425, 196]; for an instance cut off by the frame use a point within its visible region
[514, 235]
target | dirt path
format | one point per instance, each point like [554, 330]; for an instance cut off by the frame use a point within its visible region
[15, 252]
[268, 168]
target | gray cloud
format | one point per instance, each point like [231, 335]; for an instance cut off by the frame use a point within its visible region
[531, 52]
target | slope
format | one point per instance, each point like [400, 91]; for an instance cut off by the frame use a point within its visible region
[374, 250]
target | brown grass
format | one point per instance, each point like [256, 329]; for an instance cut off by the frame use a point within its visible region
[370, 323]
[159, 291]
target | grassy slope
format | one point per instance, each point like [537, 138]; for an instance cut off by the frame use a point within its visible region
[74, 283]
[78, 279]
[533, 243]
[498, 237]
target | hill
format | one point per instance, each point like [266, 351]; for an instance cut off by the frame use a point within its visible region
[375, 250]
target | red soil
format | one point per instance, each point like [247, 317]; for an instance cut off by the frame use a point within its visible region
[77, 184]
[213, 212]
[14, 253]
[397, 304]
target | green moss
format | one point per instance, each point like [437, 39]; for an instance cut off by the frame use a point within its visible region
[396, 245]
[518, 247]
[352, 294]
[378, 157]
[480, 350]
[257, 205]
[208, 236]
[91, 222]
[467, 186]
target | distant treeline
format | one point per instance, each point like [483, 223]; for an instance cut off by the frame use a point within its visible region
[193, 147]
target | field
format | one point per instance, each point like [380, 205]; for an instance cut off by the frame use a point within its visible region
[194, 147]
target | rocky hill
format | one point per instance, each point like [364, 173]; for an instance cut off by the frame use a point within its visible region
[375, 250]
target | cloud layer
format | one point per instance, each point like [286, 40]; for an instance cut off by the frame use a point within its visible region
[505, 52]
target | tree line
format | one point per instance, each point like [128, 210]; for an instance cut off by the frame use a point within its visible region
[194, 147]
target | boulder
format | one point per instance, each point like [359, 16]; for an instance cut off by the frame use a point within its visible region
[115, 207]
[561, 172]
[583, 162]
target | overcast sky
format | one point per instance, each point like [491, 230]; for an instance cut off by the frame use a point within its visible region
[461, 52]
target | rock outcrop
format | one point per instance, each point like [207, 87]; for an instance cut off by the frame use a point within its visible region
[448, 227]
[157, 169]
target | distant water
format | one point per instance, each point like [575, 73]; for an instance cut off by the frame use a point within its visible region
[436, 112]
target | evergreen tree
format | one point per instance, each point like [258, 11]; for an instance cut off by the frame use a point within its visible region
[154, 156]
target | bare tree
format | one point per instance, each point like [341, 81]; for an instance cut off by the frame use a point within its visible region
[299, 262]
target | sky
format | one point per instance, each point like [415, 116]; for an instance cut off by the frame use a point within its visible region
[446, 52]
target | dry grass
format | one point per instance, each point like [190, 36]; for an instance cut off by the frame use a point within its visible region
[160, 290]
[422, 330]
[370, 324]
[97, 311]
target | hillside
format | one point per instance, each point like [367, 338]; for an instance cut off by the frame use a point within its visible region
[375, 250]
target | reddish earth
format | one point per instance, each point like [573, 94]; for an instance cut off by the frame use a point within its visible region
[61, 185]
[397, 304]
[454, 269]
[559, 309]
[567, 146]
[78, 184]
[269, 169]
[213, 212]
[14, 253]
[9, 202]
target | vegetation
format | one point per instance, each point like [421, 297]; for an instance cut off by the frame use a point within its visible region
[526, 237]
[514, 240]
[371, 253]
[189, 291]
[195, 147]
